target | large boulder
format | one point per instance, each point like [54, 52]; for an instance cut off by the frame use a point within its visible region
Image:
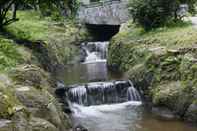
[6, 125]
[30, 75]
[191, 114]
[38, 124]
[27, 103]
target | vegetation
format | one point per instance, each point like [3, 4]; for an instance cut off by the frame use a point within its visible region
[32, 30]
[9, 55]
[156, 13]
[171, 37]
[29, 48]
[54, 8]
[34, 40]
[161, 63]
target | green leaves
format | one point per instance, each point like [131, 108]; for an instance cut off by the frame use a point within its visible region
[156, 13]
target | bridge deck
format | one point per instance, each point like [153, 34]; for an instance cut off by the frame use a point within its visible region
[110, 12]
[101, 3]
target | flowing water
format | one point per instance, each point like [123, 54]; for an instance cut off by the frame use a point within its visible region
[101, 100]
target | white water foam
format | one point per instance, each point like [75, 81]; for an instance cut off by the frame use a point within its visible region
[100, 110]
[98, 54]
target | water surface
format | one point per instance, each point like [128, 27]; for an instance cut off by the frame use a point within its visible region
[125, 116]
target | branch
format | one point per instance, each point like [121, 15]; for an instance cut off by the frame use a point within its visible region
[7, 7]
[7, 22]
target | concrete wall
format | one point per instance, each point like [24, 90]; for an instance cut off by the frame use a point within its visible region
[86, 2]
[114, 13]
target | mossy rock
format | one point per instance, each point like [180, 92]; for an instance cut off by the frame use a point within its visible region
[166, 94]
[30, 75]
[6, 125]
[8, 102]
[43, 105]
[171, 94]
[162, 63]
[191, 114]
[39, 124]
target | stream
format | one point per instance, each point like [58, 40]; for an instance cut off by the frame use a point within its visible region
[102, 100]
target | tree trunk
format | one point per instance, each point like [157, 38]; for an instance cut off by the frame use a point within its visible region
[14, 9]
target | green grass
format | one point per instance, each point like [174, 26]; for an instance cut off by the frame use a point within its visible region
[172, 36]
[30, 26]
[9, 55]
[57, 36]
[132, 44]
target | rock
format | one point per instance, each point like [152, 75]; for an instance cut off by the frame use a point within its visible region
[5, 125]
[8, 102]
[165, 69]
[21, 121]
[80, 128]
[105, 14]
[163, 113]
[30, 75]
[67, 110]
[191, 114]
[38, 124]
[24, 88]
[42, 105]
[5, 80]
[60, 91]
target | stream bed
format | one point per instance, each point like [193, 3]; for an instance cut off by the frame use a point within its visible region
[102, 100]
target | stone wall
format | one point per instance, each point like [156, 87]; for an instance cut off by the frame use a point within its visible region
[107, 13]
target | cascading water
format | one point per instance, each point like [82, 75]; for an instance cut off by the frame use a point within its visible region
[98, 93]
[108, 106]
[95, 104]
[95, 51]
[103, 102]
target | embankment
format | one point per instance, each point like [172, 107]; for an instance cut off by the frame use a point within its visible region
[162, 63]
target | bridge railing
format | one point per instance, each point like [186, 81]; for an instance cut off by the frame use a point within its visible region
[101, 3]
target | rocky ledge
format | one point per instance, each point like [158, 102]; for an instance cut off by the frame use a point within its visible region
[162, 64]
[27, 102]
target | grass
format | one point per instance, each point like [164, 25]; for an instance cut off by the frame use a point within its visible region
[140, 45]
[171, 36]
[30, 26]
[57, 36]
[9, 55]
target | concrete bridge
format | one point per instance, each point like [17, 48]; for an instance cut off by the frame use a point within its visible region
[112, 12]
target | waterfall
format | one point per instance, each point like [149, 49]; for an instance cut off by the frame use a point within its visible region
[95, 51]
[98, 93]
[79, 94]
[133, 94]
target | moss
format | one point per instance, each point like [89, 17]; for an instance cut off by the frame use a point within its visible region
[161, 62]
[42, 30]
[31, 85]
[167, 38]
[166, 93]
[8, 102]
[30, 75]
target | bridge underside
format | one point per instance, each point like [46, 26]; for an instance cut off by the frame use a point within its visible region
[109, 13]
[102, 32]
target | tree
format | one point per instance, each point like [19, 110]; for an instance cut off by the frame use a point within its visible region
[156, 13]
[55, 8]
[5, 5]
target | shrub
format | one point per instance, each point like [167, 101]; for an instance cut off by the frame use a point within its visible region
[152, 13]
[155, 13]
